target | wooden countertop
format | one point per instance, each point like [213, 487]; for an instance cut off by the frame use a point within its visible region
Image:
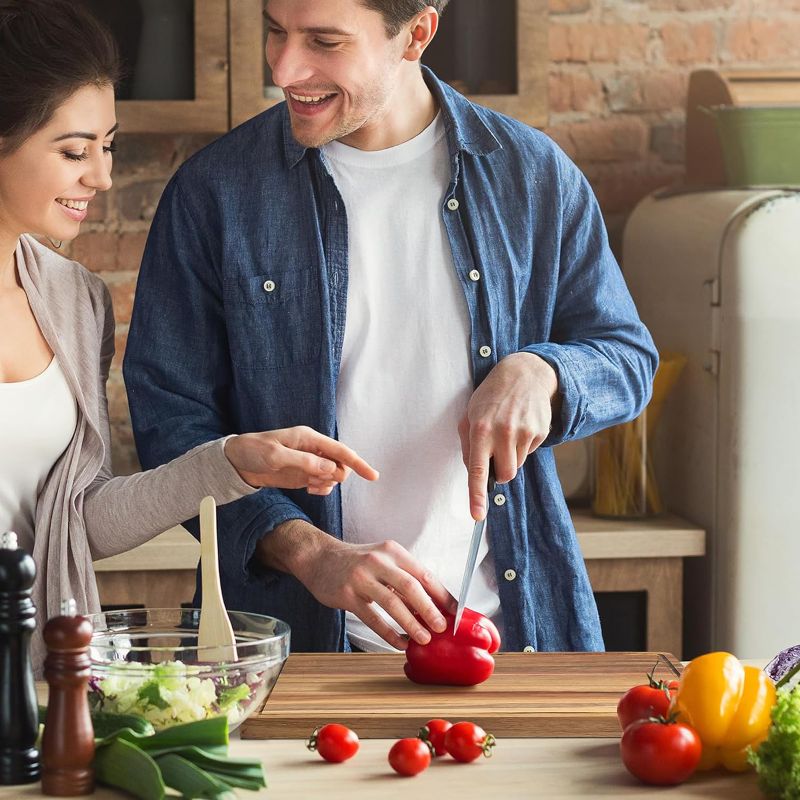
[666, 536]
[520, 768]
[555, 769]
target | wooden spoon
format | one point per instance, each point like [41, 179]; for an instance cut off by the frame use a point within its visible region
[214, 631]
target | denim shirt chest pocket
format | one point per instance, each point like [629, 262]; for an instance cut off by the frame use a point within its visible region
[273, 319]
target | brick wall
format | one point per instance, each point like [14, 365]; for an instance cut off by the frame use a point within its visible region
[111, 244]
[619, 73]
[617, 86]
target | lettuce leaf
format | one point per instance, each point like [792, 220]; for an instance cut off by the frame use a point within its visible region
[152, 694]
[232, 694]
[777, 760]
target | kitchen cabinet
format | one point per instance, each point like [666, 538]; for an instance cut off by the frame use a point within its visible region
[519, 89]
[496, 54]
[644, 555]
[251, 92]
[205, 106]
[231, 79]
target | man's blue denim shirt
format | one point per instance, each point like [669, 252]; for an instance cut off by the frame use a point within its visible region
[214, 349]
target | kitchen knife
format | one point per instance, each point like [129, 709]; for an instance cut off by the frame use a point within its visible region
[472, 555]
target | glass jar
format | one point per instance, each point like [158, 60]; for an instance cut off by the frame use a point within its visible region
[623, 478]
[624, 484]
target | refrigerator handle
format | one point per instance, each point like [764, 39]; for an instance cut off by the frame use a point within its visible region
[712, 362]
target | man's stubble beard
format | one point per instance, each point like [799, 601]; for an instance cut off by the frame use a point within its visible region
[377, 100]
[307, 141]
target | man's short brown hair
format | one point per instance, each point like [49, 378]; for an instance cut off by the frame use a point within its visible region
[397, 12]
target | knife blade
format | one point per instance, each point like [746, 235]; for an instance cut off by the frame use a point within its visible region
[472, 554]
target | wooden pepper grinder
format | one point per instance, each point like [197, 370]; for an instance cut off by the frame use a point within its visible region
[68, 741]
[19, 726]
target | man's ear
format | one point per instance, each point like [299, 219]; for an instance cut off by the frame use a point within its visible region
[420, 33]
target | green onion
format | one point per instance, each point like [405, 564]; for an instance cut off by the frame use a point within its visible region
[124, 765]
[191, 781]
[211, 732]
[191, 758]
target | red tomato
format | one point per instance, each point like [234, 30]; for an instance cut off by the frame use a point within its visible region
[642, 702]
[660, 753]
[465, 741]
[434, 732]
[409, 756]
[334, 742]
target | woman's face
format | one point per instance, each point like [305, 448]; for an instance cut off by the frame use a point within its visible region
[47, 183]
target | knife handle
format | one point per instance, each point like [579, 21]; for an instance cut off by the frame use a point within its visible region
[491, 483]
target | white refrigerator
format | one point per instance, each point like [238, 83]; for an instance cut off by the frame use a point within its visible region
[716, 276]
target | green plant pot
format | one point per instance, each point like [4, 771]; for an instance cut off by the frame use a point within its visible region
[760, 144]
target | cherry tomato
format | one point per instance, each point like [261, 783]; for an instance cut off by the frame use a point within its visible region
[647, 700]
[642, 702]
[663, 753]
[434, 732]
[465, 741]
[410, 756]
[334, 742]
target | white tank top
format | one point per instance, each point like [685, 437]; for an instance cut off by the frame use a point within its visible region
[37, 421]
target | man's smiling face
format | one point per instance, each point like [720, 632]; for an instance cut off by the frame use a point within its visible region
[335, 63]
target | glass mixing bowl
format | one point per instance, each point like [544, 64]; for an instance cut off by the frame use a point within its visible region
[148, 662]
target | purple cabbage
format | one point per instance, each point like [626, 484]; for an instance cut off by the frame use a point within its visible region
[784, 666]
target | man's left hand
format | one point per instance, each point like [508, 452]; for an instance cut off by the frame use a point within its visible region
[507, 418]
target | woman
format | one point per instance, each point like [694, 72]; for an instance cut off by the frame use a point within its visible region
[58, 67]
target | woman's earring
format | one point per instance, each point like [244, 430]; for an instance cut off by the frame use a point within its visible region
[55, 242]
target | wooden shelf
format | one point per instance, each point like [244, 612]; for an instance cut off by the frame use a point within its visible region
[644, 555]
[665, 536]
[173, 549]
[657, 537]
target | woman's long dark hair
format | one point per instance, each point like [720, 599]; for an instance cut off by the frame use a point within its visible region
[48, 50]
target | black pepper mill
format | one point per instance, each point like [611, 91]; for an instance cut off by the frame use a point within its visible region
[68, 741]
[19, 724]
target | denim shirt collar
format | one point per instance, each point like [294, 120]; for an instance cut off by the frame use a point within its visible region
[466, 131]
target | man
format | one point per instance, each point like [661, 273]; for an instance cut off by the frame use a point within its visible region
[381, 260]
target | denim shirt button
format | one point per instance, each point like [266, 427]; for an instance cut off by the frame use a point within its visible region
[510, 575]
[499, 499]
[485, 351]
[269, 286]
[452, 204]
[529, 649]
[474, 275]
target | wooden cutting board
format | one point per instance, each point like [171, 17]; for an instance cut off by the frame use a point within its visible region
[529, 695]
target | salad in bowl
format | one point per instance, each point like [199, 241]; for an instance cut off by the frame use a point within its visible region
[147, 662]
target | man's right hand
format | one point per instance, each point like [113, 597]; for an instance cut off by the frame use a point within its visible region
[357, 578]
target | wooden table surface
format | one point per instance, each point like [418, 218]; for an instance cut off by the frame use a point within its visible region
[520, 768]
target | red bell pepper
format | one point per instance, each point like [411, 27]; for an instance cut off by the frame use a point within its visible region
[460, 659]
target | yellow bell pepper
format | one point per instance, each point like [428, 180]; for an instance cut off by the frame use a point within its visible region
[728, 705]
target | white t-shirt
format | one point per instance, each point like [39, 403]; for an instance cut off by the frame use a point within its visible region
[406, 375]
[37, 421]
